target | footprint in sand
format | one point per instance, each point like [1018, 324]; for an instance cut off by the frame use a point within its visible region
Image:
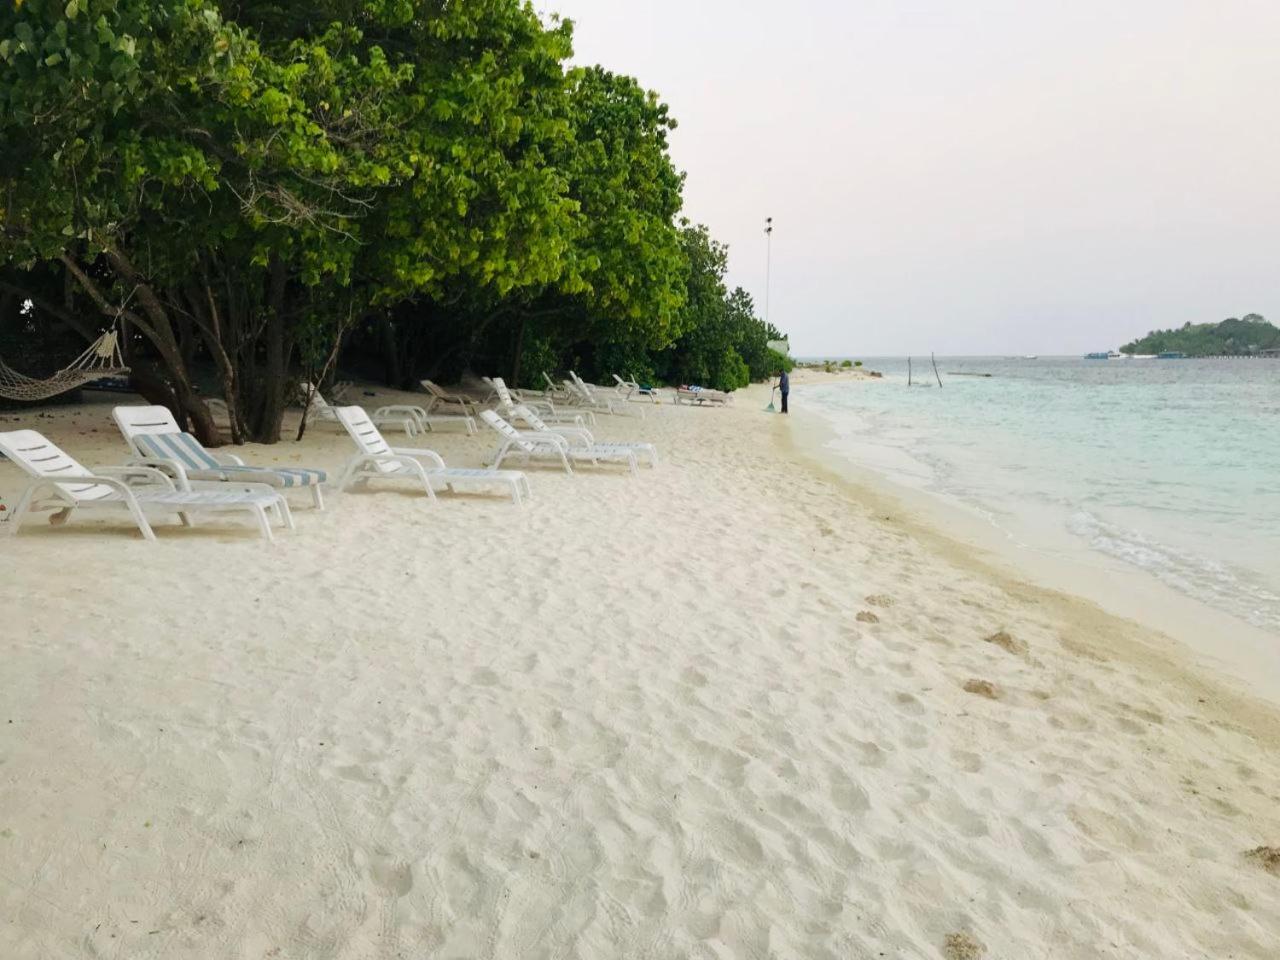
[879, 600]
[394, 877]
[866, 616]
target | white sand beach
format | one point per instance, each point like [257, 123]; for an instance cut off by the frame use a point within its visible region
[734, 707]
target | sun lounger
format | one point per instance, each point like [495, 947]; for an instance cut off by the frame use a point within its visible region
[546, 444]
[156, 441]
[589, 395]
[441, 399]
[631, 390]
[63, 485]
[701, 397]
[581, 436]
[320, 410]
[545, 408]
[378, 460]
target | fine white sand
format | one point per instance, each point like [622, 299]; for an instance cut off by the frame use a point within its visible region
[732, 708]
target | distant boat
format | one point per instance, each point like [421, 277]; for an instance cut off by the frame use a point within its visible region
[1171, 355]
[1031, 356]
[1097, 355]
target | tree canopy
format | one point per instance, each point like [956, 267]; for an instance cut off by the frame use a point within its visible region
[1247, 335]
[410, 187]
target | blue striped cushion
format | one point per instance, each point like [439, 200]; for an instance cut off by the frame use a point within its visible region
[201, 465]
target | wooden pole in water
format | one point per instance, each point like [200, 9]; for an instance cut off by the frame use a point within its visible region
[935, 369]
[908, 371]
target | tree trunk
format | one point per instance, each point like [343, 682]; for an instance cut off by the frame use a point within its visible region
[393, 369]
[188, 408]
[269, 417]
[519, 353]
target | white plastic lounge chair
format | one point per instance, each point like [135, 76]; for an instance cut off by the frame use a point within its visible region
[379, 460]
[545, 408]
[598, 401]
[64, 485]
[579, 398]
[320, 411]
[581, 436]
[515, 443]
[441, 399]
[156, 441]
[554, 391]
[701, 397]
[631, 390]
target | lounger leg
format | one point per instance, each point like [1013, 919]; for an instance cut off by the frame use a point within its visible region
[565, 460]
[264, 524]
[186, 519]
[285, 514]
[345, 479]
[140, 519]
[317, 497]
[10, 527]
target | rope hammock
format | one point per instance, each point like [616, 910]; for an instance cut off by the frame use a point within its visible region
[101, 359]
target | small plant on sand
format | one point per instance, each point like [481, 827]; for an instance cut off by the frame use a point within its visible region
[1266, 857]
[961, 946]
[845, 364]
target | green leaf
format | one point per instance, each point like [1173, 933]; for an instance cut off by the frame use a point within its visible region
[72, 8]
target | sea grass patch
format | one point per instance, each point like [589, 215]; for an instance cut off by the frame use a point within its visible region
[1007, 642]
[982, 688]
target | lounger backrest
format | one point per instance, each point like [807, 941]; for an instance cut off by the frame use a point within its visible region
[551, 384]
[153, 432]
[434, 390]
[584, 388]
[621, 382]
[506, 429]
[504, 395]
[40, 458]
[367, 436]
[529, 417]
[307, 392]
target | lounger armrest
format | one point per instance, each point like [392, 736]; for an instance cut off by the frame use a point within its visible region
[399, 409]
[116, 476]
[581, 434]
[172, 469]
[545, 438]
[431, 455]
[228, 459]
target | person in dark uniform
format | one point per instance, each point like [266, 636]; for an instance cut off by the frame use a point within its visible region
[784, 385]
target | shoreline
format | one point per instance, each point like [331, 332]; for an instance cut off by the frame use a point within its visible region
[724, 708]
[1244, 655]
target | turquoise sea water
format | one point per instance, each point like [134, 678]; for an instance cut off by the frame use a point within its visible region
[1169, 466]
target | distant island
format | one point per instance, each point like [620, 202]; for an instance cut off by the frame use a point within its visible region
[1249, 335]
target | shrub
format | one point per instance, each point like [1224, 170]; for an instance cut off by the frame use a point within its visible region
[731, 372]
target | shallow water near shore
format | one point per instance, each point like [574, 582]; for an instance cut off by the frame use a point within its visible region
[1166, 467]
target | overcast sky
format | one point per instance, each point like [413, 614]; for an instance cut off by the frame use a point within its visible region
[985, 176]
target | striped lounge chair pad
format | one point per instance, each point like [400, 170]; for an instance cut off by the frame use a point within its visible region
[201, 465]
